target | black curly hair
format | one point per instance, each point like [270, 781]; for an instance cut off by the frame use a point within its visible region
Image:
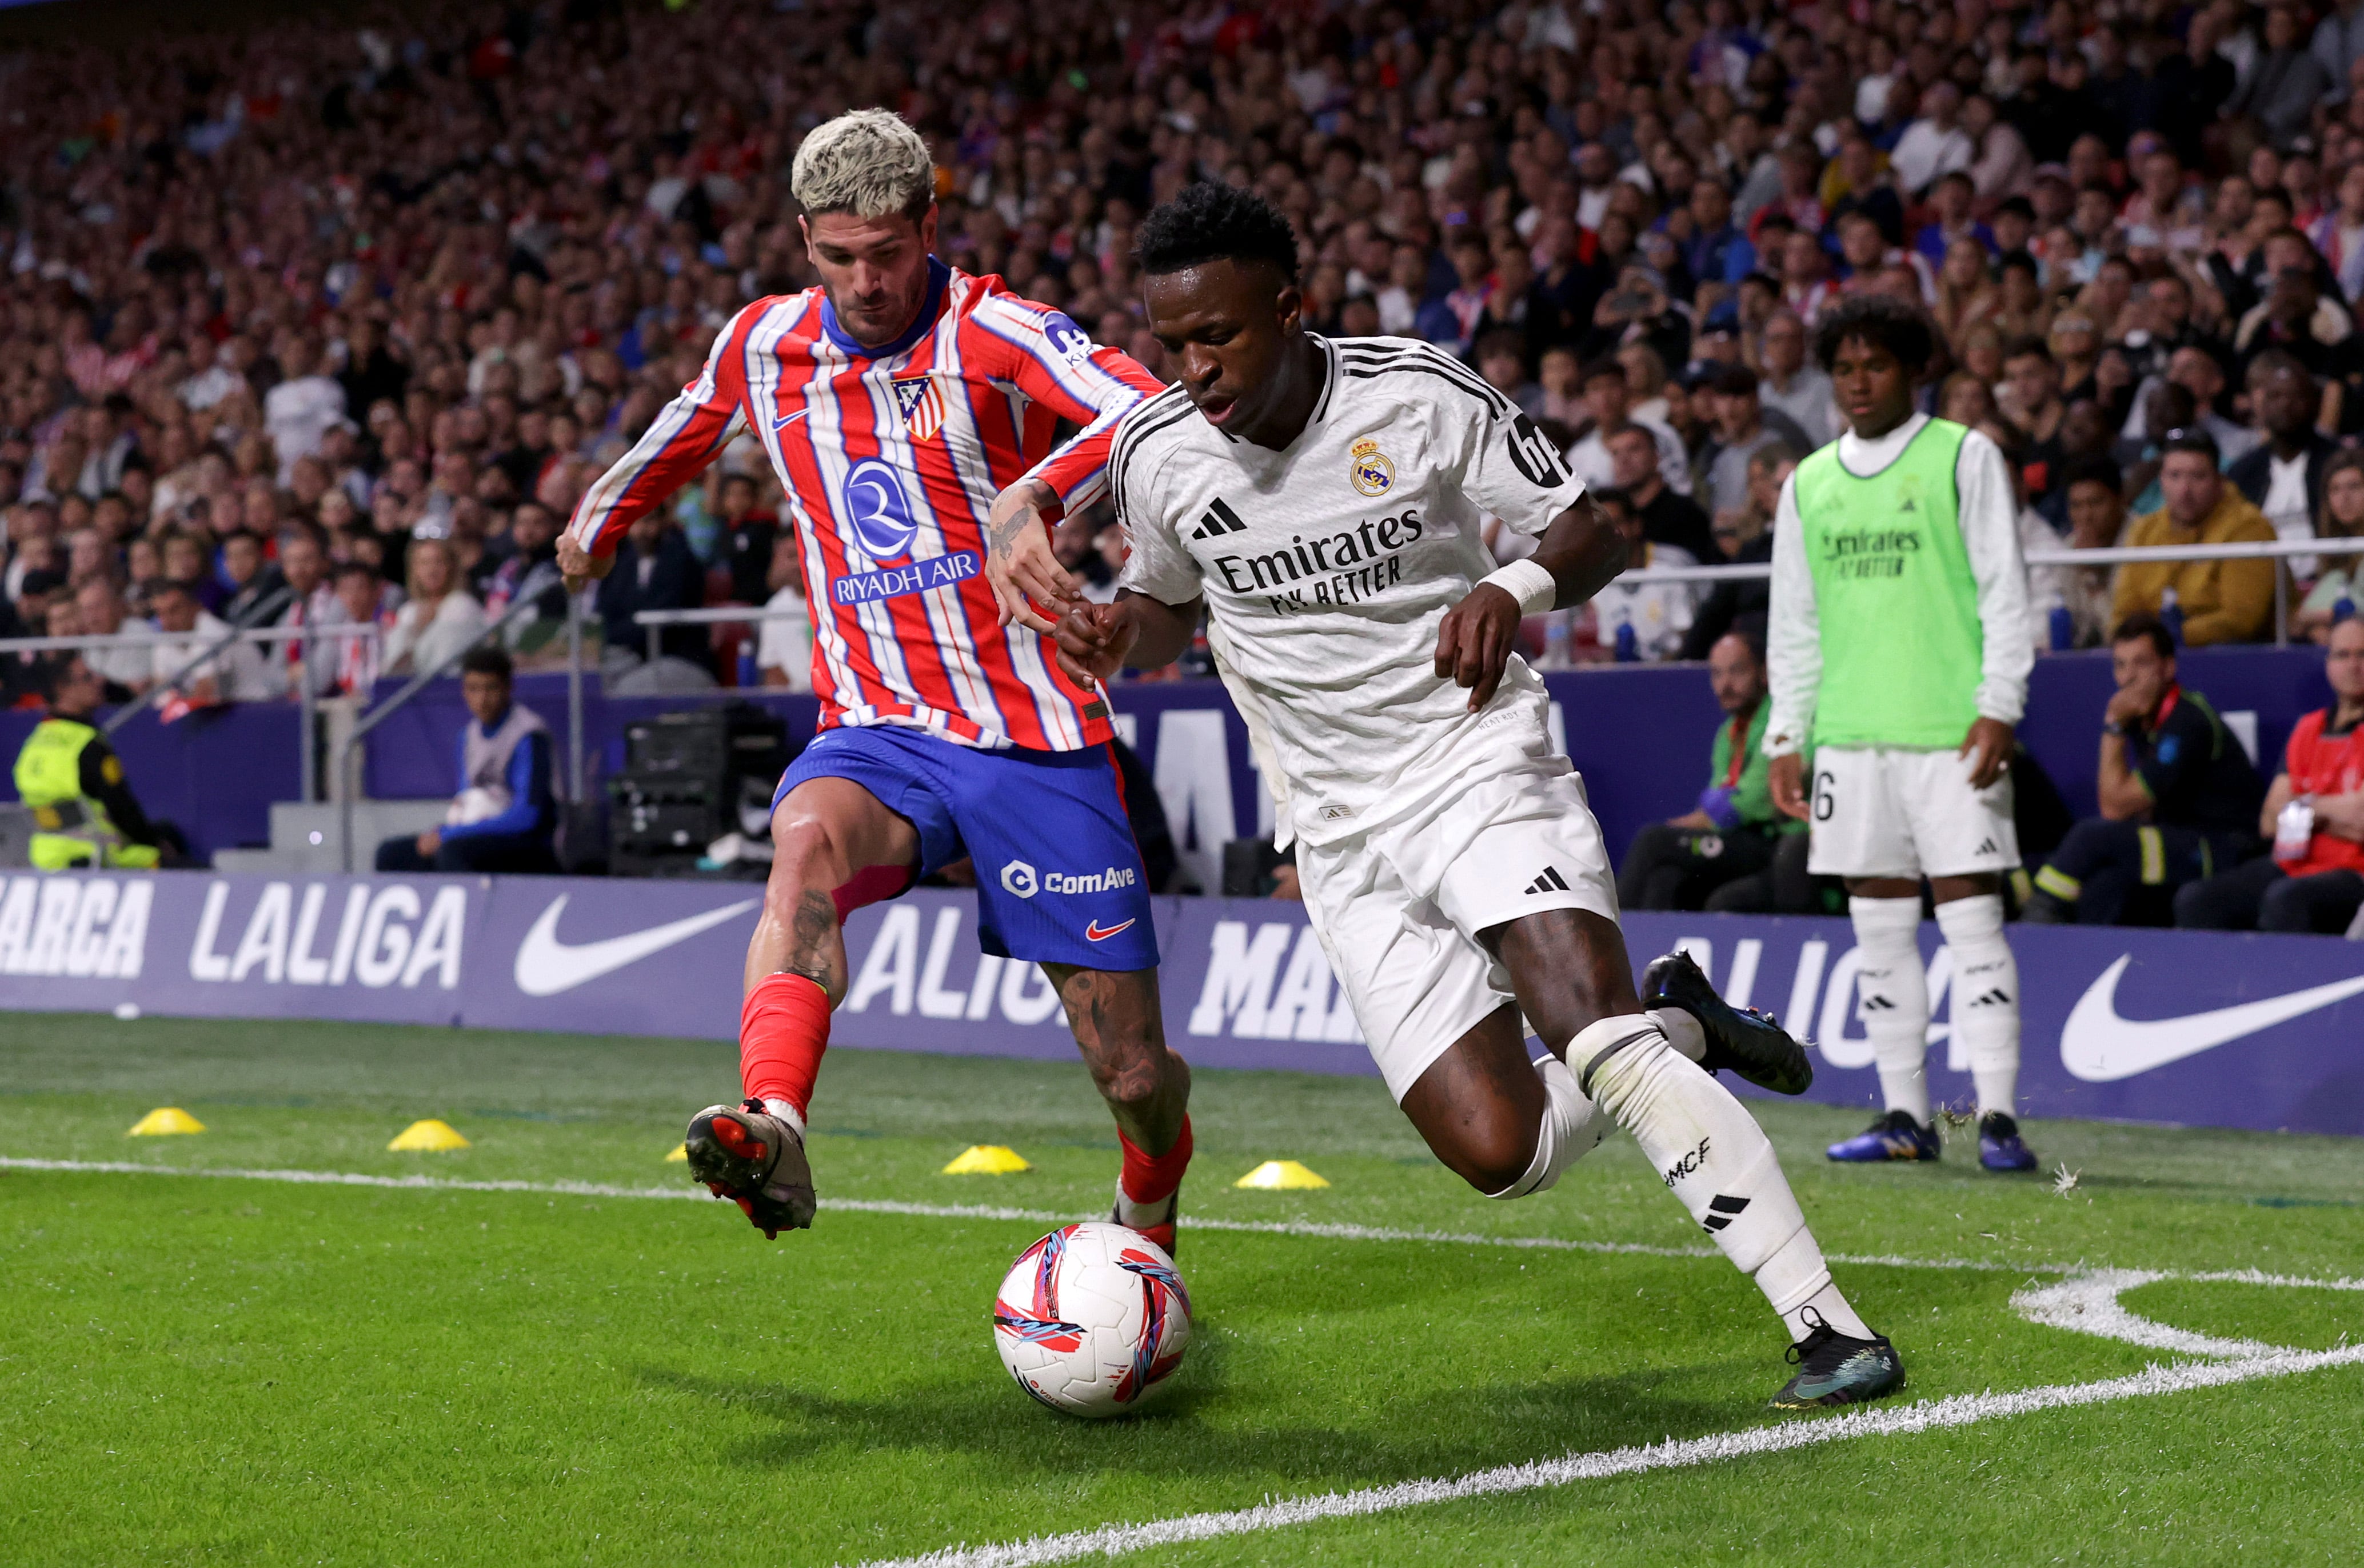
[1883, 320]
[1212, 222]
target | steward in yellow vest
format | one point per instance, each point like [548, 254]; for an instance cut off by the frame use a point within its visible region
[84, 814]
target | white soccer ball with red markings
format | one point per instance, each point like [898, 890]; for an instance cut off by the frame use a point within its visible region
[1091, 1320]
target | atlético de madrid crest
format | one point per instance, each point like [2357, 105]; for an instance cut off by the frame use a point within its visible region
[922, 404]
[1371, 471]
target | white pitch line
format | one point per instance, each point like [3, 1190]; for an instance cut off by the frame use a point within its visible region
[2088, 1305]
[1318, 1230]
[1962, 1410]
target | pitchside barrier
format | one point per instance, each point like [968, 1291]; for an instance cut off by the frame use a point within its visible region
[1640, 733]
[2183, 1027]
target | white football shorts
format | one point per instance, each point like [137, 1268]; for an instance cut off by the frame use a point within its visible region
[1399, 909]
[1881, 812]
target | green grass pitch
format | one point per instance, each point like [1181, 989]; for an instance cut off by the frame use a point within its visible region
[264, 1372]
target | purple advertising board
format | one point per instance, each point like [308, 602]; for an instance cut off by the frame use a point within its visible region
[2200, 1028]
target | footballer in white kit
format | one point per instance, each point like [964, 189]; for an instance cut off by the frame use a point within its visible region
[1319, 503]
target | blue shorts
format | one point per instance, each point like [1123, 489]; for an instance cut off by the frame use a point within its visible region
[1058, 875]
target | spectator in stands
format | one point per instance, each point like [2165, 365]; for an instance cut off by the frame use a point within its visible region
[2314, 878]
[784, 650]
[84, 811]
[2217, 601]
[1742, 426]
[2178, 797]
[747, 534]
[1606, 404]
[361, 598]
[311, 602]
[1733, 829]
[179, 679]
[2283, 478]
[504, 815]
[2092, 489]
[438, 619]
[1638, 619]
[1667, 518]
[249, 580]
[126, 670]
[2333, 596]
[654, 570]
[1793, 387]
[526, 568]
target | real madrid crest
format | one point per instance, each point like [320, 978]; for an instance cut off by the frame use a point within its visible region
[1369, 469]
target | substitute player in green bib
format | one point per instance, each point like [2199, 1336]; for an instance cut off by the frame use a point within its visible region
[1898, 651]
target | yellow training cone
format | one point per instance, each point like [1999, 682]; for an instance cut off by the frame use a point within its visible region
[677, 1155]
[168, 1118]
[986, 1160]
[1277, 1173]
[430, 1135]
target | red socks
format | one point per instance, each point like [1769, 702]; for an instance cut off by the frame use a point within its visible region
[783, 1029]
[873, 884]
[1148, 1179]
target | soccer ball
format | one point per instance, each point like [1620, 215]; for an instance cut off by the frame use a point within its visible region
[1091, 1318]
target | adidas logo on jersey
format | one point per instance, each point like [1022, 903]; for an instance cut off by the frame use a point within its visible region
[1986, 847]
[1550, 882]
[1219, 520]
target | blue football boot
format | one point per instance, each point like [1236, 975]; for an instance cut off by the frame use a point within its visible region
[1835, 1370]
[2000, 1145]
[1895, 1136]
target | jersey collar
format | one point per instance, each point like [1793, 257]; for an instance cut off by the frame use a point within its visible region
[921, 324]
[1321, 403]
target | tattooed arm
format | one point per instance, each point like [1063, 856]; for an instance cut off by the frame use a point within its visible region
[1018, 558]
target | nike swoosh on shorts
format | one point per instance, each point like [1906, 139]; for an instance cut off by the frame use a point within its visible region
[545, 966]
[2099, 1047]
[1093, 932]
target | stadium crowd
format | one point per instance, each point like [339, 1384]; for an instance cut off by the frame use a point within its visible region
[331, 322]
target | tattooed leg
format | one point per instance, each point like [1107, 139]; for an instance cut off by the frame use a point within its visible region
[1119, 1028]
[826, 830]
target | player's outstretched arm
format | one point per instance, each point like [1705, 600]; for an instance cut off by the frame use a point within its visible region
[1097, 641]
[1582, 550]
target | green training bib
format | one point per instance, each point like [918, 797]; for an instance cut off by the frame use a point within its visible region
[1902, 647]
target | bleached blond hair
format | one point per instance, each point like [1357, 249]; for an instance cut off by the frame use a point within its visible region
[867, 162]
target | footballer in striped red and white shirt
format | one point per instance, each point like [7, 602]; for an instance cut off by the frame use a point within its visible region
[912, 411]
[892, 456]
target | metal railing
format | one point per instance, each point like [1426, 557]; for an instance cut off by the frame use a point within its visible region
[2110, 555]
[308, 698]
[719, 615]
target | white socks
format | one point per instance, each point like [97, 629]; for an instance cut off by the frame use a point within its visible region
[1986, 997]
[1573, 1127]
[786, 1111]
[1714, 1157]
[1894, 992]
[1682, 1031]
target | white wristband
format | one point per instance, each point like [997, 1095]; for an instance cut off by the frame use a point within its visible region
[1527, 582]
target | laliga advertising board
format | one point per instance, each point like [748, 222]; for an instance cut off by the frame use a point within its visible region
[2252, 1031]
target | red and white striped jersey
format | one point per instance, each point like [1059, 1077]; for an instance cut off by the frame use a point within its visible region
[891, 457]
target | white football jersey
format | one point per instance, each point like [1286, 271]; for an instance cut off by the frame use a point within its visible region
[1327, 568]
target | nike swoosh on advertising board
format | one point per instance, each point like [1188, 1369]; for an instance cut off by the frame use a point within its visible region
[545, 966]
[2099, 1047]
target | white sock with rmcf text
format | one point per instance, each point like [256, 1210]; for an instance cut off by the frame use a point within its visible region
[1713, 1155]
